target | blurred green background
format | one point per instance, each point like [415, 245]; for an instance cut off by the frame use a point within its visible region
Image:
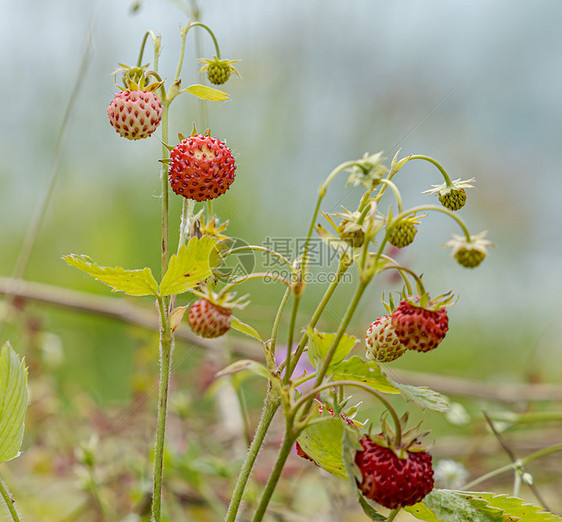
[477, 85]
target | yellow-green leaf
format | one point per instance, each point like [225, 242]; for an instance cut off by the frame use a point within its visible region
[132, 282]
[13, 402]
[192, 264]
[319, 345]
[245, 329]
[367, 372]
[206, 93]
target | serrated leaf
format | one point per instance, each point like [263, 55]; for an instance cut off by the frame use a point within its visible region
[192, 264]
[132, 282]
[513, 507]
[245, 365]
[245, 329]
[350, 444]
[319, 345]
[422, 512]
[206, 93]
[322, 442]
[13, 402]
[424, 397]
[450, 506]
[367, 372]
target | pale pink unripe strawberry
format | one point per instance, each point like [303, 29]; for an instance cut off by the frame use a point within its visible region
[383, 345]
[135, 115]
[209, 320]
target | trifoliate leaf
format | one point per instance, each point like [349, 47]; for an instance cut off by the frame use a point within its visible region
[192, 264]
[319, 345]
[206, 93]
[132, 282]
[13, 402]
[358, 370]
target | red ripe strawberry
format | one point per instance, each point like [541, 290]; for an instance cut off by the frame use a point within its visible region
[135, 115]
[209, 320]
[382, 342]
[201, 168]
[418, 327]
[391, 481]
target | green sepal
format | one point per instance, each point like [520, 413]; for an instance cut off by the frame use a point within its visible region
[319, 345]
[133, 282]
[334, 242]
[245, 329]
[13, 402]
[366, 372]
[192, 264]
[206, 93]
[176, 315]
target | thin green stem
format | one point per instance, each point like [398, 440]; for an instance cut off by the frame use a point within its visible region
[344, 265]
[166, 347]
[433, 162]
[288, 441]
[165, 192]
[396, 192]
[340, 332]
[183, 34]
[185, 221]
[392, 514]
[270, 407]
[9, 501]
[296, 300]
[199, 24]
[255, 275]
[143, 44]
[277, 321]
[520, 463]
[260, 249]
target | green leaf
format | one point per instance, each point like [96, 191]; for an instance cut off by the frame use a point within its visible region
[132, 282]
[367, 372]
[350, 444]
[245, 329]
[424, 397]
[319, 345]
[448, 506]
[513, 507]
[192, 264]
[206, 93]
[245, 365]
[322, 442]
[13, 402]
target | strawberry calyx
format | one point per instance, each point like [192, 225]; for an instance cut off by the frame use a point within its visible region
[137, 79]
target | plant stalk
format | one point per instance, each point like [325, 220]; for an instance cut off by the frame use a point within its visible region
[9, 501]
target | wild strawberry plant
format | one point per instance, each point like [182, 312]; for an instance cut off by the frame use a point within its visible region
[389, 468]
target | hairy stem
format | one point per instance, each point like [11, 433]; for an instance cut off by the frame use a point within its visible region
[9, 501]
[270, 407]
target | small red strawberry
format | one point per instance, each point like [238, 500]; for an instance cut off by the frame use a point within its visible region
[135, 115]
[201, 168]
[209, 320]
[392, 481]
[382, 342]
[420, 324]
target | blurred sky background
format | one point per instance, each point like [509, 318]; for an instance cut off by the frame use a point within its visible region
[477, 85]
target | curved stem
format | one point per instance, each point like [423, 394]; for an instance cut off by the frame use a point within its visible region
[166, 346]
[433, 162]
[199, 24]
[401, 269]
[438, 209]
[260, 249]
[312, 393]
[255, 275]
[9, 501]
[392, 514]
[270, 407]
[141, 52]
[396, 192]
